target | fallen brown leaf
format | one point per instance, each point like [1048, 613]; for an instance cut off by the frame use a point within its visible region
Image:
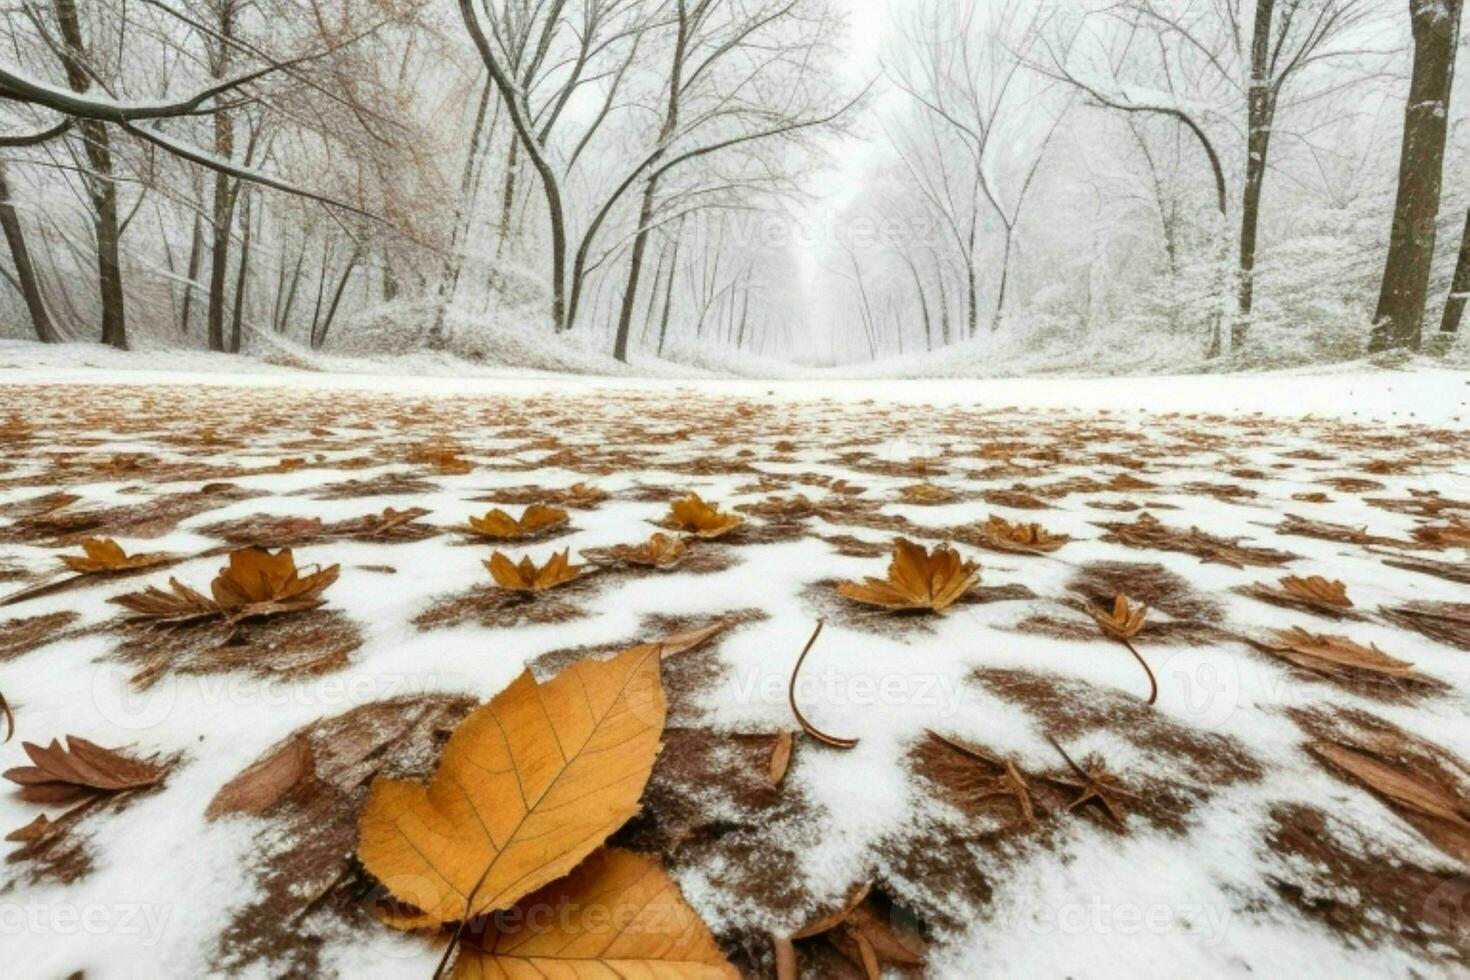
[917, 580]
[693, 516]
[526, 577]
[659, 551]
[103, 555]
[176, 607]
[862, 935]
[527, 786]
[1002, 535]
[1406, 790]
[79, 771]
[625, 918]
[780, 760]
[257, 583]
[1337, 656]
[266, 783]
[536, 520]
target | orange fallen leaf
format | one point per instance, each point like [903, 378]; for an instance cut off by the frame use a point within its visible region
[1125, 621]
[104, 555]
[528, 786]
[626, 918]
[1002, 535]
[175, 607]
[526, 577]
[780, 760]
[1317, 591]
[258, 583]
[1337, 655]
[694, 516]
[536, 520]
[659, 551]
[917, 580]
[927, 494]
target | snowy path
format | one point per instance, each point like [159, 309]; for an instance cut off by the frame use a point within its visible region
[1240, 850]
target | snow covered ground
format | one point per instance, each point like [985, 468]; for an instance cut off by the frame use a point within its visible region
[1239, 851]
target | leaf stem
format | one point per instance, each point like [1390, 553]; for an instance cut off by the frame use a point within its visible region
[1153, 684]
[829, 740]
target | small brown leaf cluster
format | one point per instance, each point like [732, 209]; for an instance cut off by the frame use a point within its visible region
[693, 516]
[1002, 535]
[535, 521]
[255, 584]
[917, 580]
[102, 556]
[524, 576]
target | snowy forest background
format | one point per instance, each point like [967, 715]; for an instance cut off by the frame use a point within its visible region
[931, 186]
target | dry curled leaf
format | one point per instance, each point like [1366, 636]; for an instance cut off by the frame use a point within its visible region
[583, 495]
[1455, 534]
[693, 516]
[917, 580]
[266, 783]
[1317, 590]
[927, 494]
[863, 935]
[624, 918]
[177, 606]
[1337, 656]
[80, 771]
[257, 583]
[1125, 621]
[780, 759]
[104, 555]
[535, 521]
[1094, 784]
[1438, 811]
[1032, 538]
[526, 577]
[659, 551]
[527, 787]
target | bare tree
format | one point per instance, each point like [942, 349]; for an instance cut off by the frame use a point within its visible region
[1454, 309]
[740, 75]
[1399, 321]
[964, 66]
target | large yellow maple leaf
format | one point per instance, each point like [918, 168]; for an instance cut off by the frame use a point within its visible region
[527, 787]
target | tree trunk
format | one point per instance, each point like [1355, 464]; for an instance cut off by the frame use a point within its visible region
[463, 213]
[1005, 279]
[25, 269]
[944, 332]
[635, 271]
[663, 328]
[923, 303]
[321, 338]
[196, 256]
[744, 316]
[1399, 322]
[1260, 110]
[1454, 307]
[283, 315]
[100, 184]
[321, 293]
[237, 313]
